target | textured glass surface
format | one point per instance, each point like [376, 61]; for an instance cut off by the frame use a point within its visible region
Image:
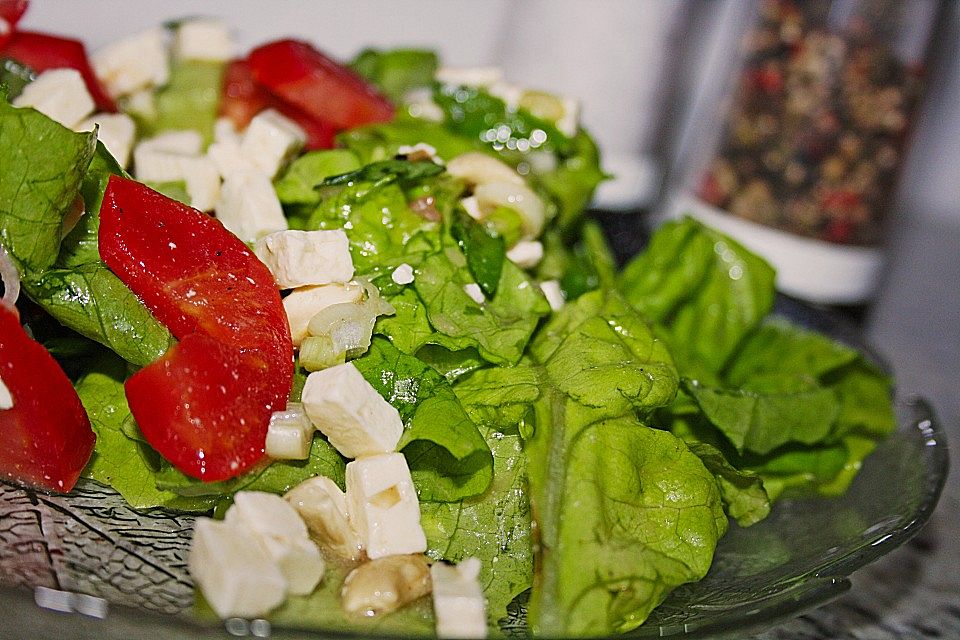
[91, 543]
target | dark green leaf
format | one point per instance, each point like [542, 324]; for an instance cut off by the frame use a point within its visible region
[397, 71]
[485, 253]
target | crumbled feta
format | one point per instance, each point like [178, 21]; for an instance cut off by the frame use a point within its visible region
[249, 207]
[203, 39]
[185, 142]
[225, 154]
[526, 254]
[475, 292]
[458, 602]
[301, 258]
[116, 131]
[203, 182]
[129, 65]
[553, 293]
[383, 505]
[350, 412]
[402, 274]
[59, 94]
[303, 303]
[270, 140]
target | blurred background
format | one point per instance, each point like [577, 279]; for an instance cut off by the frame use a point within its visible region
[691, 103]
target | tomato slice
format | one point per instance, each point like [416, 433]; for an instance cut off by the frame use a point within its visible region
[244, 98]
[10, 13]
[45, 437]
[42, 51]
[329, 92]
[198, 278]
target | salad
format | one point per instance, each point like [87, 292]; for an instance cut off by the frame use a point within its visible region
[353, 313]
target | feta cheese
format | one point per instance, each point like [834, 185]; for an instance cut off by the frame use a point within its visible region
[203, 39]
[172, 156]
[156, 165]
[134, 63]
[203, 182]
[225, 154]
[59, 94]
[289, 434]
[526, 254]
[6, 398]
[472, 207]
[305, 302]
[323, 507]
[458, 602]
[249, 207]
[469, 76]
[553, 293]
[349, 411]
[116, 131]
[270, 140]
[475, 292]
[402, 274]
[142, 103]
[301, 258]
[234, 571]
[224, 129]
[283, 534]
[185, 142]
[383, 505]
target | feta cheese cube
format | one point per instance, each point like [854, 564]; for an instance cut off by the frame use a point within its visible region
[249, 207]
[203, 39]
[349, 411]
[526, 254]
[402, 274]
[472, 207]
[134, 63]
[116, 131]
[270, 140]
[225, 154]
[282, 532]
[234, 571]
[475, 292]
[323, 507]
[6, 398]
[172, 156]
[142, 103]
[224, 129]
[383, 505]
[203, 182]
[300, 258]
[185, 142]
[553, 293]
[305, 302]
[458, 602]
[155, 165]
[59, 94]
[289, 434]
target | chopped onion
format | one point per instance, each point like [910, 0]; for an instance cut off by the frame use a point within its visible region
[10, 278]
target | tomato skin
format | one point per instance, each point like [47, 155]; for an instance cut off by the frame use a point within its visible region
[242, 98]
[208, 288]
[303, 76]
[196, 408]
[10, 12]
[45, 438]
[42, 51]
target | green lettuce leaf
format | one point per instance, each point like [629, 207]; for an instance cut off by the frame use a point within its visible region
[189, 100]
[298, 184]
[743, 493]
[397, 71]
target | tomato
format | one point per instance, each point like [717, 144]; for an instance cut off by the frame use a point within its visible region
[45, 437]
[41, 51]
[244, 98]
[198, 278]
[303, 76]
[10, 13]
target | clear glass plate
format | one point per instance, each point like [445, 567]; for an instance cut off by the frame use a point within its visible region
[134, 564]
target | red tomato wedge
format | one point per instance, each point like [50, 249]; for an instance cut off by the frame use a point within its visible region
[41, 51]
[329, 92]
[45, 436]
[199, 279]
[10, 13]
[243, 98]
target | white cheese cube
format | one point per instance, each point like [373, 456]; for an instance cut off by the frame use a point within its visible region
[305, 302]
[225, 154]
[224, 129]
[458, 602]
[289, 434]
[281, 530]
[142, 103]
[155, 165]
[301, 258]
[472, 207]
[234, 571]
[383, 505]
[323, 506]
[203, 39]
[475, 292]
[526, 254]
[134, 63]
[469, 76]
[6, 398]
[553, 293]
[185, 142]
[59, 94]
[270, 140]
[203, 182]
[249, 207]
[402, 274]
[116, 131]
[349, 411]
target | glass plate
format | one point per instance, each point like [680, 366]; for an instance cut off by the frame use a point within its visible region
[86, 565]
